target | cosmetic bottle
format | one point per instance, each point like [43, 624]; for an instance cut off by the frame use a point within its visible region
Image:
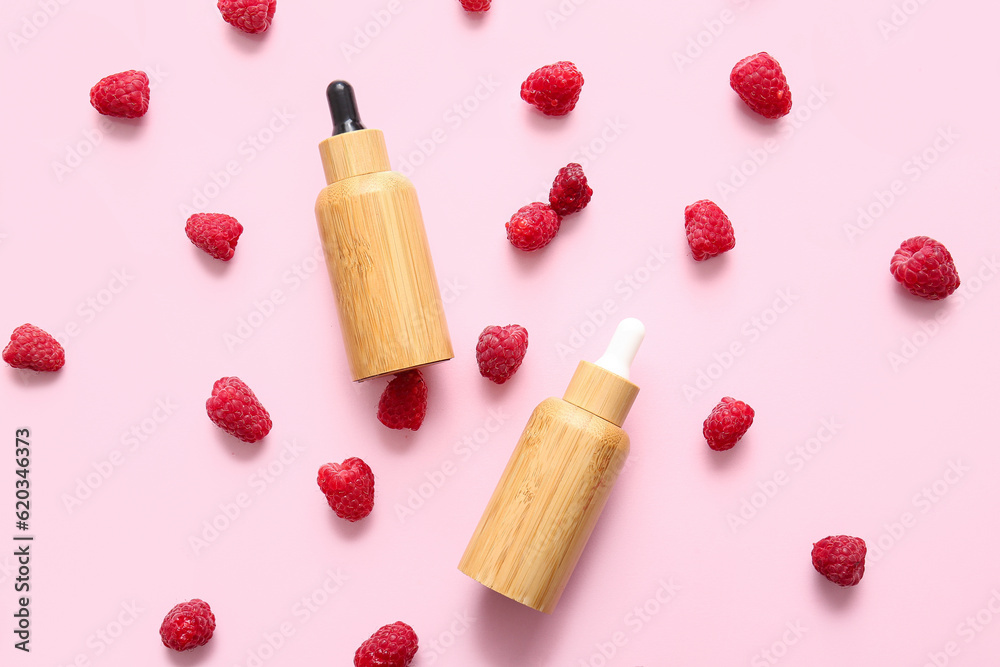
[557, 481]
[376, 249]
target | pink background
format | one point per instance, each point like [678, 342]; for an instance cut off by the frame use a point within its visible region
[911, 110]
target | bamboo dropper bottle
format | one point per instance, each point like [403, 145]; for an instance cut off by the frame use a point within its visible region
[377, 254]
[557, 481]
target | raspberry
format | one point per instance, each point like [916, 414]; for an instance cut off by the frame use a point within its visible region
[553, 89]
[500, 351]
[251, 16]
[840, 558]
[709, 232]
[925, 268]
[215, 233]
[476, 5]
[122, 95]
[570, 192]
[404, 402]
[759, 82]
[235, 409]
[34, 349]
[533, 226]
[392, 645]
[349, 487]
[727, 423]
[188, 625]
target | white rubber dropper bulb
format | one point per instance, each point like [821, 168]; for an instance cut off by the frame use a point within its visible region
[623, 346]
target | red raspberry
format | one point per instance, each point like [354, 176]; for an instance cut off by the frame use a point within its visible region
[533, 226]
[727, 423]
[215, 233]
[476, 5]
[570, 192]
[709, 232]
[34, 349]
[840, 558]
[925, 268]
[759, 82]
[188, 625]
[349, 487]
[391, 645]
[404, 402]
[122, 95]
[252, 16]
[500, 351]
[235, 409]
[553, 89]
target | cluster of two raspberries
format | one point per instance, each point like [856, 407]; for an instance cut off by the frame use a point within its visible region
[839, 558]
[126, 94]
[191, 624]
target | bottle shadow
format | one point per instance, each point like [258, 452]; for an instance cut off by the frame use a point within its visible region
[505, 619]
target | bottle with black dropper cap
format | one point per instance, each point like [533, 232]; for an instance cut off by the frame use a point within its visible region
[377, 253]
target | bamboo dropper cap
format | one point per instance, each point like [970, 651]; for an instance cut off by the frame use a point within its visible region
[352, 150]
[603, 388]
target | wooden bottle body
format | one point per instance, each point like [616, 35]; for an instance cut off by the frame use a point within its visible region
[379, 261]
[546, 504]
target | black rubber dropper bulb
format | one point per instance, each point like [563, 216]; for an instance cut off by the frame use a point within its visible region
[343, 108]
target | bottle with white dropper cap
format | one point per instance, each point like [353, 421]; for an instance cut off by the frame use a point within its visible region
[557, 481]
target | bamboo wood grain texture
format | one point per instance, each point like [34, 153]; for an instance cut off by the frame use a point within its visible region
[600, 391]
[379, 260]
[353, 154]
[544, 509]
